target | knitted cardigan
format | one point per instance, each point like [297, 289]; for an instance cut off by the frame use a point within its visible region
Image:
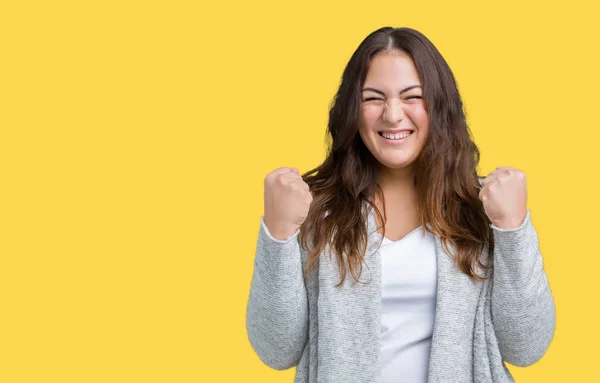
[332, 335]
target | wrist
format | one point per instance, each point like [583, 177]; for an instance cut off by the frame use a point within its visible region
[510, 224]
[281, 231]
[507, 225]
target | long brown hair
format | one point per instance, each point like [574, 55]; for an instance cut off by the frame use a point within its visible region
[446, 177]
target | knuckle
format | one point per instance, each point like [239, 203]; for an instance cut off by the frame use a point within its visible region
[281, 179]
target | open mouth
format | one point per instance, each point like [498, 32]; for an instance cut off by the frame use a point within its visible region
[396, 137]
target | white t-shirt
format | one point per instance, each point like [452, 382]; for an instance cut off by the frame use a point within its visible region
[409, 284]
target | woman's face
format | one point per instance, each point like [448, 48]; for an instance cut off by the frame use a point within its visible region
[392, 101]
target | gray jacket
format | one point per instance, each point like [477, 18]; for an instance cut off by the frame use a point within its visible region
[332, 335]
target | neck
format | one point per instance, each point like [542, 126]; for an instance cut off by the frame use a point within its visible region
[397, 185]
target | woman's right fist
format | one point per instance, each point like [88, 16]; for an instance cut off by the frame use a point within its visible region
[287, 201]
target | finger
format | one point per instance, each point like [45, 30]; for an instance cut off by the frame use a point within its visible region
[282, 170]
[298, 187]
[501, 177]
[291, 176]
[275, 174]
[511, 171]
[301, 184]
[491, 178]
[486, 185]
[481, 193]
[506, 170]
[485, 189]
[498, 171]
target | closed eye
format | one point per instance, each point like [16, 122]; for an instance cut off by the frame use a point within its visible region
[376, 98]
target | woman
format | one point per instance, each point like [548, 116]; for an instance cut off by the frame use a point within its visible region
[447, 280]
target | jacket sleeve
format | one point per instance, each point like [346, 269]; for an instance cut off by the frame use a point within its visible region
[277, 310]
[523, 311]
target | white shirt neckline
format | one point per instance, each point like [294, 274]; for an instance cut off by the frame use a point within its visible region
[389, 241]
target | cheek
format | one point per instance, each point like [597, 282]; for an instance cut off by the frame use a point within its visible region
[370, 115]
[419, 116]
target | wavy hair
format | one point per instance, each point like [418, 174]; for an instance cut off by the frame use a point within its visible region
[445, 174]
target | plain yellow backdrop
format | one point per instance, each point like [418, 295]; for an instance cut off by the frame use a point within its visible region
[136, 135]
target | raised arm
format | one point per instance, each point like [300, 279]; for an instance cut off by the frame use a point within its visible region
[277, 311]
[523, 311]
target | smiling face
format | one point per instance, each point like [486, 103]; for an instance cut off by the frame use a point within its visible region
[392, 102]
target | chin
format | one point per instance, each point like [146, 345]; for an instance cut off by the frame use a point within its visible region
[397, 161]
[396, 164]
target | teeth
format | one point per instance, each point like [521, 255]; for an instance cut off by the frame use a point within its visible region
[396, 136]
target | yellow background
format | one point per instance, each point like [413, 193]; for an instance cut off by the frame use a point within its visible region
[135, 137]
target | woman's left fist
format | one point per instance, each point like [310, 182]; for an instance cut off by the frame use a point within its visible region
[504, 197]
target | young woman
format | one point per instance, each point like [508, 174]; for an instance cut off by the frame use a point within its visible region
[447, 279]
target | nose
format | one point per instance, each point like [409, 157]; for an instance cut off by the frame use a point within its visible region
[393, 112]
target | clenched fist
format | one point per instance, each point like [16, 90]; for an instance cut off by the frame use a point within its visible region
[504, 197]
[287, 202]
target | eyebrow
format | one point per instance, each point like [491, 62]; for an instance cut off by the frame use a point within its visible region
[383, 94]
